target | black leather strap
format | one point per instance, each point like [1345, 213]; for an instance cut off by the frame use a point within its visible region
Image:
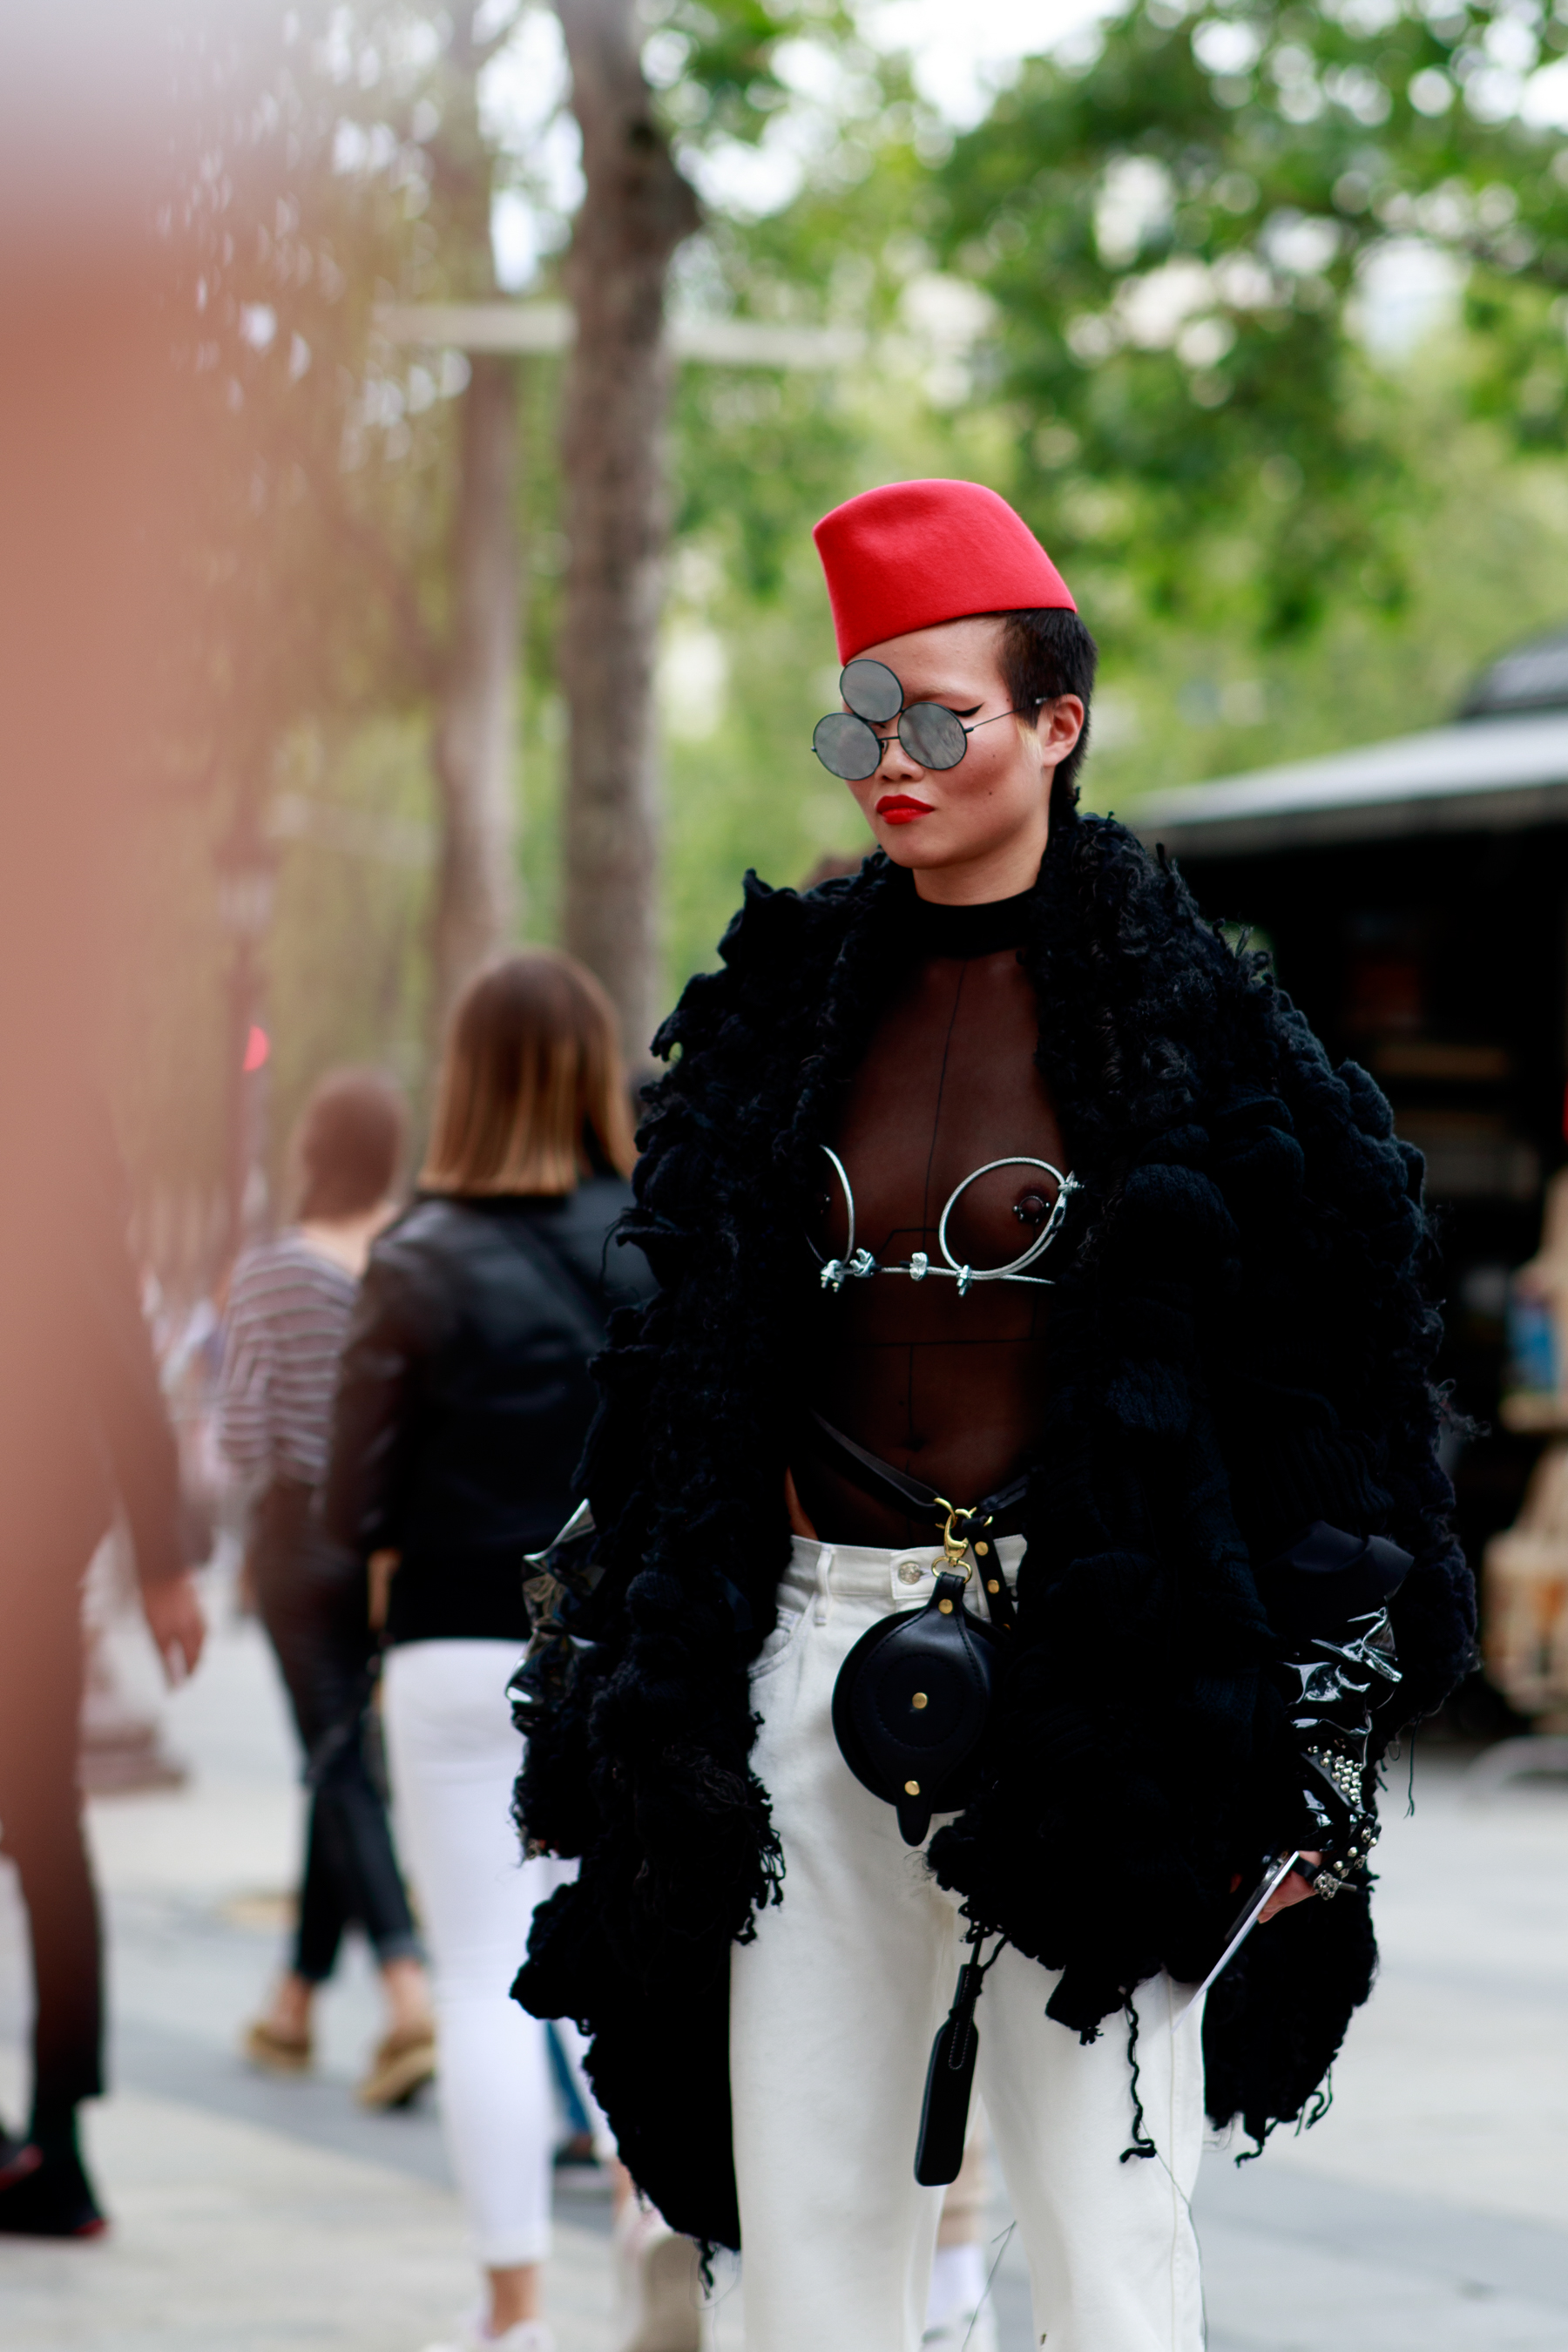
[885, 1485]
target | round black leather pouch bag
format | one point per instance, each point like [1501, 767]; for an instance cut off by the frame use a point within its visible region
[913, 1704]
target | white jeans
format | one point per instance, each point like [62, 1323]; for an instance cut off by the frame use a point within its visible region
[832, 2012]
[453, 1757]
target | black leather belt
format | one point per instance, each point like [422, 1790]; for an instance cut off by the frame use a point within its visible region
[998, 1512]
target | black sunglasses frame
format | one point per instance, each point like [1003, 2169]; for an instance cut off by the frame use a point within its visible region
[905, 710]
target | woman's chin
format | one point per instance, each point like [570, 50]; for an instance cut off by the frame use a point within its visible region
[909, 843]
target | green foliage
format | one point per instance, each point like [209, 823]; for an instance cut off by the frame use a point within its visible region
[717, 63]
[1170, 225]
[1486, 558]
[757, 455]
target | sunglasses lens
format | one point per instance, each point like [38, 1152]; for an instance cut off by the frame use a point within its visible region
[871, 691]
[931, 735]
[846, 747]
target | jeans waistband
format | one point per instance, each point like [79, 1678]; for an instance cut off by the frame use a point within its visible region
[890, 1580]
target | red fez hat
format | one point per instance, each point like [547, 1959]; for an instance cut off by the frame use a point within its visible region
[917, 553]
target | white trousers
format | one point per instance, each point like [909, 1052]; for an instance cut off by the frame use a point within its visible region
[832, 2013]
[453, 1755]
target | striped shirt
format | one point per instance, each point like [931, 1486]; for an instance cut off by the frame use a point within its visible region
[287, 1312]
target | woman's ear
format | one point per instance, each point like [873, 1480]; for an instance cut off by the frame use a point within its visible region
[1058, 724]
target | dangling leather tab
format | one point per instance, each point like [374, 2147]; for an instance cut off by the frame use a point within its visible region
[914, 1814]
[950, 2078]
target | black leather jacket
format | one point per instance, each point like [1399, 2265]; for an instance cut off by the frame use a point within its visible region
[464, 1396]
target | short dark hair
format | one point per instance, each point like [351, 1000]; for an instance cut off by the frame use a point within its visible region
[1045, 652]
[349, 1143]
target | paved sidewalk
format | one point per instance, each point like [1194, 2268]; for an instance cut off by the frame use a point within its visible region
[1427, 2213]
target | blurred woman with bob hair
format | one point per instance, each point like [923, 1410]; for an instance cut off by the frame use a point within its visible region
[462, 1408]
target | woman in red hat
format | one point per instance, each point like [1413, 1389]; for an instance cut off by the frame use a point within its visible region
[1014, 1530]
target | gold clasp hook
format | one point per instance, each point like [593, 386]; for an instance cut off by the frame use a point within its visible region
[954, 1541]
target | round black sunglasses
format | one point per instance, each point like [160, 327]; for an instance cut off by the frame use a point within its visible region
[847, 745]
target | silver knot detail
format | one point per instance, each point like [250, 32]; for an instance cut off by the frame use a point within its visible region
[839, 1270]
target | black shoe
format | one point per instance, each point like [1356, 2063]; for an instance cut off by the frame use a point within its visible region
[51, 2197]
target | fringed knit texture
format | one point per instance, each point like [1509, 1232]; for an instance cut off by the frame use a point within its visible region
[1240, 1342]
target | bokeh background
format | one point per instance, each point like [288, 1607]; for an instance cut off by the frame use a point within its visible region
[1258, 313]
[405, 518]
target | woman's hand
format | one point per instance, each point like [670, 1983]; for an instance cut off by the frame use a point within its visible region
[175, 1620]
[1294, 1889]
[381, 1567]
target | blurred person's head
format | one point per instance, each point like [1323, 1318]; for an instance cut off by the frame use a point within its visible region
[532, 1095]
[942, 596]
[348, 1145]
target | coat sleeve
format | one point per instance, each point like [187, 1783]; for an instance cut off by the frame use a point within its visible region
[1325, 1370]
[396, 1323]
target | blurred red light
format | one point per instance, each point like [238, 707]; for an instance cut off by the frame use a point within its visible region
[258, 1046]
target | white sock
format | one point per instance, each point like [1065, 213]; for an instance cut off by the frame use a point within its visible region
[957, 2283]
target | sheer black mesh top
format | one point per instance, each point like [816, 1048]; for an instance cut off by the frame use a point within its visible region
[953, 1166]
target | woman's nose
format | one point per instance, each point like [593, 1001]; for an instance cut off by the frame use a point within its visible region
[895, 760]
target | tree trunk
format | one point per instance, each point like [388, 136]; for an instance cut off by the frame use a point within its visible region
[637, 210]
[476, 728]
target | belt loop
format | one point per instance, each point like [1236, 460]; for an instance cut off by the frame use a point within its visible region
[824, 1595]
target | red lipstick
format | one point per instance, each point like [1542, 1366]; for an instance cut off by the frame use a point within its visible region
[900, 808]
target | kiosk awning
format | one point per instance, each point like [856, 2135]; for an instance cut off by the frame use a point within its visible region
[1484, 774]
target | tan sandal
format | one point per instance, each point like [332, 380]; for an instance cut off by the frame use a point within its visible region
[404, 2060]
[275, 2052]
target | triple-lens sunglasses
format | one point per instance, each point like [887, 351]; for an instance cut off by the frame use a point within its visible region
[847, 745]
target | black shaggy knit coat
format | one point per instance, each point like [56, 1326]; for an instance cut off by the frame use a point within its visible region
[1240, 1344]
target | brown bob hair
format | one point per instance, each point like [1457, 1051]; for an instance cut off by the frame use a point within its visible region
[531, 1084]
[348, 1145]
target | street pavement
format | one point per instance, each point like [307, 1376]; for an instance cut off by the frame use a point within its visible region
[1428, 2212]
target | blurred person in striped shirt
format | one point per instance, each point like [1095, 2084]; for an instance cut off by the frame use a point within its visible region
[288, 1309]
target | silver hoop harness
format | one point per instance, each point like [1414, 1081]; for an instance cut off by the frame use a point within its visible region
[859, 1265]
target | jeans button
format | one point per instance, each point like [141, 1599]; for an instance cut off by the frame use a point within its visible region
[910, 1572]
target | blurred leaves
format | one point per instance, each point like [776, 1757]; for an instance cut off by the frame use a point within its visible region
[1175, 220]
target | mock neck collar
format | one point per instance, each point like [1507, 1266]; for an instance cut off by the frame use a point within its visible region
[970, 931]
